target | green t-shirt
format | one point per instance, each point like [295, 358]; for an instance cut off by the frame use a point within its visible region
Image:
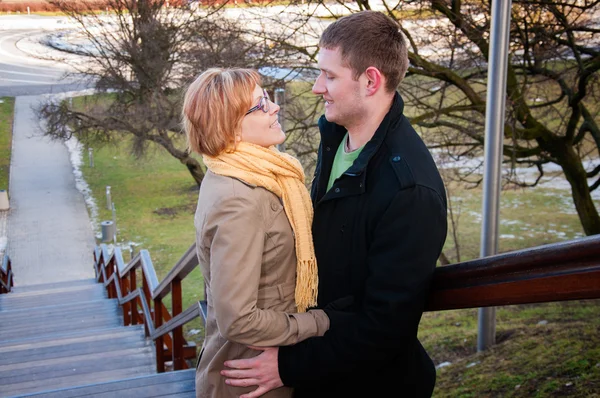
[342, 161]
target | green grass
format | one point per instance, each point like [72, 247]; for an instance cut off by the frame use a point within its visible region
[6, 123]
[543, 350]
[155, 200]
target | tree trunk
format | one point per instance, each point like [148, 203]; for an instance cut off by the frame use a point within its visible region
[571, 164]
[184, 157]
[194, 168]
[588, 214]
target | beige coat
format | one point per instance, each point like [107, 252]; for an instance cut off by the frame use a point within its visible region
[247, 257]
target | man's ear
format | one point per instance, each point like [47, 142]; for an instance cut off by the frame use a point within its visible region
[375, 80]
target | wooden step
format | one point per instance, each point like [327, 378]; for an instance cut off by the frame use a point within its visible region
[39, 298]
[18, 331]
[55, 285]
[75, 367]
[75, 337]
[93, 376]
[114, 354]
[64, 334]
[170, 384]
[49, 312]
[75, 359]
[63, 347]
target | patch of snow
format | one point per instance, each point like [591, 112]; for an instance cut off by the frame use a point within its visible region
[507, 236]
[443, 365]
[510, 222]
[75, 150]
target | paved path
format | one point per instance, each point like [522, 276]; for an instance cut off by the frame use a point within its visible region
[50, 238]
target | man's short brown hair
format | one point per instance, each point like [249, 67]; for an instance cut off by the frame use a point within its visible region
[214, 106]
[369, 38]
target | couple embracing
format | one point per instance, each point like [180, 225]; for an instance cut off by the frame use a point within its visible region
[320, 294]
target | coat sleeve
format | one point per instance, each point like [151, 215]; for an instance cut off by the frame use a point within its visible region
[236, 251]
[401, 259]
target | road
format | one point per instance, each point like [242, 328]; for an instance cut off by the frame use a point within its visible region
[48, 231]
[28, 67]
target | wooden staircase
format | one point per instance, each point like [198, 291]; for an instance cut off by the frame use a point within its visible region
[67, 340]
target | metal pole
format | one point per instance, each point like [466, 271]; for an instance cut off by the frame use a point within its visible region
[494, 134]
[91, 156]
[109, 203]
[280, 100]
[114, 219]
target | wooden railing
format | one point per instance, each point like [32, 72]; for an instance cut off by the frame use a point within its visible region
[6, 275]
[143, 304]
[555, 272]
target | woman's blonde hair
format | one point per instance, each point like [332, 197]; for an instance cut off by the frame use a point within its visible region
[214, 106]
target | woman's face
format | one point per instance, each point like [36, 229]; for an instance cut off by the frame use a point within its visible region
[259, 127]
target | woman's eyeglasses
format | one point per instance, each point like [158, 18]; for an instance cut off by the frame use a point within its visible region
[263, 104]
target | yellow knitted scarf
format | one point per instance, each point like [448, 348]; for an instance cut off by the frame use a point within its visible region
[283, 175]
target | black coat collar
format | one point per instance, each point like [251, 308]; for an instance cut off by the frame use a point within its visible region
[331, 137]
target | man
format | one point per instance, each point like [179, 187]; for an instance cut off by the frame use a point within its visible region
[379, 228]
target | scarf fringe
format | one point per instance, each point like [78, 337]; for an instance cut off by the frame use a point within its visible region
[307, 280]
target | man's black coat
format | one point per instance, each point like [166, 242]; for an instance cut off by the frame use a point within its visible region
[378, 233]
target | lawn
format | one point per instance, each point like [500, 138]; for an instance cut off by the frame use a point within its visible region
[542, 350]
[7, 105]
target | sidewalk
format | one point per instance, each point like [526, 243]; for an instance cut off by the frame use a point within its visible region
[50, 237]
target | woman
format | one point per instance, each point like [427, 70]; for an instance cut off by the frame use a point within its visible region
[253, 224]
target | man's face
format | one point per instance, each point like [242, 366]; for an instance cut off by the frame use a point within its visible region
[343, 102]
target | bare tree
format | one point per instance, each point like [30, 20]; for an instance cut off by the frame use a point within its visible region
[552, 91]
[142, 53]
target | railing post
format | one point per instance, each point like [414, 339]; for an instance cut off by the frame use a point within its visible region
[96, 264]
[178, 341]
[109, 272]
[148, 297]
[126, 306]
[100, 278]
[159, 343]
[133, 307]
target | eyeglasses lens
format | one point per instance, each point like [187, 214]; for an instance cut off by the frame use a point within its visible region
[264, 104]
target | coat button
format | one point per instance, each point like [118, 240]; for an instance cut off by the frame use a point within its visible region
[337, 190]
[327, 149]
[274, 206]
[396, 158]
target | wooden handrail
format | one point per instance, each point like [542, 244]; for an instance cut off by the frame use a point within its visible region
[6, 275]
[142, 259]
[186, 316]
[554, 272]
[184, 266]
[143, 304]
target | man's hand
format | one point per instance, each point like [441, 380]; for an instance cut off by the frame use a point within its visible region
[261, 371]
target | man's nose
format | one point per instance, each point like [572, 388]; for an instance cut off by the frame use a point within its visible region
[318, 87]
